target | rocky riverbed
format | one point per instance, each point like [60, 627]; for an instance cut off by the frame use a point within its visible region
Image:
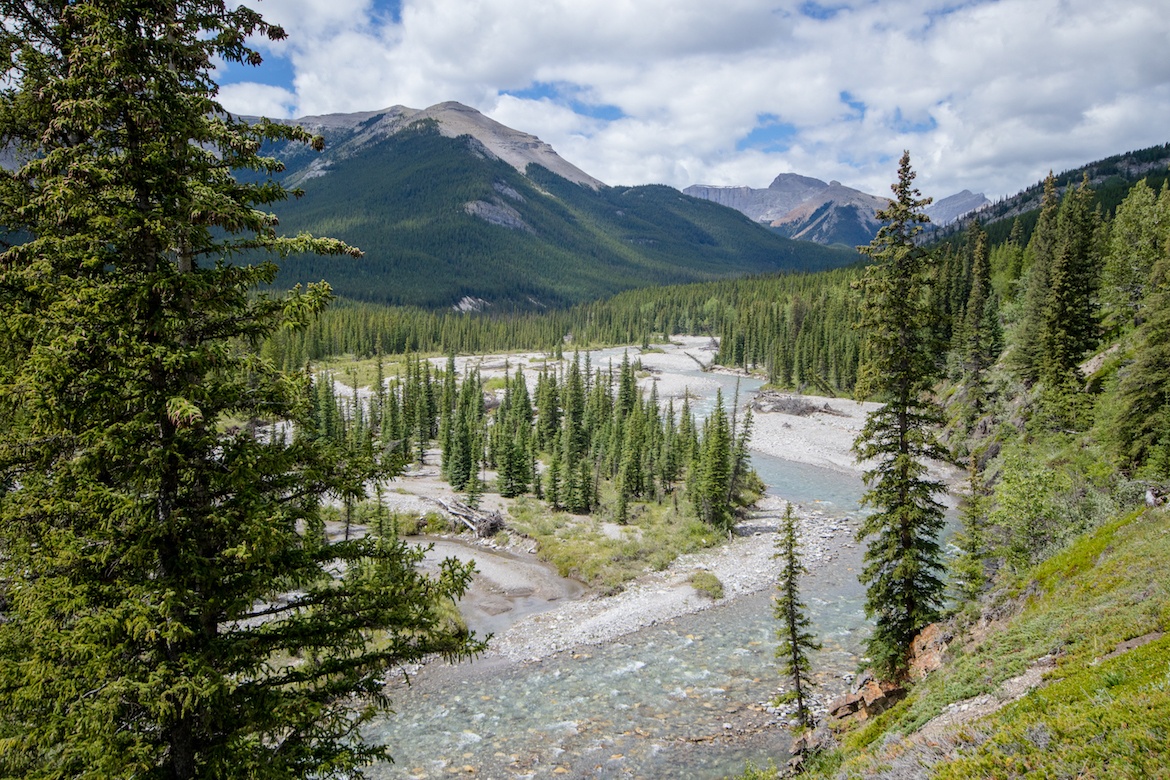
[641, 663]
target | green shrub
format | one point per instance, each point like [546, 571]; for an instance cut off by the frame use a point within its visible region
[708, 584]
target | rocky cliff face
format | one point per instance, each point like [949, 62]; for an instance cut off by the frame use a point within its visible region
[786, 192]
[346, 134]
[955, 207]
[804, 208]
[835, 215]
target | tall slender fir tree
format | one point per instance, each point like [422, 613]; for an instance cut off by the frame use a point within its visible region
[796, 641]
[903, 560]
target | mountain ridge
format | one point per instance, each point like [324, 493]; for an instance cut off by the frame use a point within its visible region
[808, 209]
[448, 217]
[453, 119]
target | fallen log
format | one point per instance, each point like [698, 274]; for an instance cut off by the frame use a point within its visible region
[479, 523]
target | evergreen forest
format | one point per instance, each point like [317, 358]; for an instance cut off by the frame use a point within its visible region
[188, 446]
[1043, 355]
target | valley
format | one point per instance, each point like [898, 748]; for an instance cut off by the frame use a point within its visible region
[454, 209]
[397, 445]
[695, 691]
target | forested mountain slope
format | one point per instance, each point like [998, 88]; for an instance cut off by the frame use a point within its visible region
[445, 220]
[1111, 179]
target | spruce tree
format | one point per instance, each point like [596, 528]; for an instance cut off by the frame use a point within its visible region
[1028, 350]
[967, 568]
[978, 331]
[1069, 323]
[903, 560]
[1137, 238]
[796, 640]
[172, 607]
[1141, 425]
[713, 481]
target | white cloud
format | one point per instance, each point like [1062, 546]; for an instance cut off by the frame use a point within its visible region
[987, 94]
[257, 99]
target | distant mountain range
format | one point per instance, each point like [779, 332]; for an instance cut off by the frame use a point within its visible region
[454, 209]
[809, 209]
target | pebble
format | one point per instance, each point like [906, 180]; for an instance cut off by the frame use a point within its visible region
[744, 566]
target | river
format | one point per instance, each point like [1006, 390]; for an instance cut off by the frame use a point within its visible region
[658, 703]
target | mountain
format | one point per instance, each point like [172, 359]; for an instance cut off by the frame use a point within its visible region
[786, 192]
[1110, 178]
[454, 209]
[809, 209]
[350, 133]
[804, 208]
[954, 207]
[835, 215]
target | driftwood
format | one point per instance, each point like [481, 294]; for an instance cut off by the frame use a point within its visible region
[481, 524]
[795, 405]
[702, 366]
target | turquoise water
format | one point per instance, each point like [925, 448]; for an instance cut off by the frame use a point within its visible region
[627, 709]
[657, 703]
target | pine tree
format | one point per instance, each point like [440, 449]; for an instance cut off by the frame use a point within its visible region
[904, 590]
[1069, 324]
[1141, 427]
[967, 568]
[554, 480]
[475, 486]
[548, 418]
[447, 410]
[1028, 352]
[978, 332]
[796, 640]
[741, 469]
[159, 573]
[1137, 238]
[713, 480]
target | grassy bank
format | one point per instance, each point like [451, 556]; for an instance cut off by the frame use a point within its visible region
[605, 555]
[1101, 711]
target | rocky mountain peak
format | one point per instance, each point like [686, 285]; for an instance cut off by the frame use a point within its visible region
[955, 207]
[345, 134]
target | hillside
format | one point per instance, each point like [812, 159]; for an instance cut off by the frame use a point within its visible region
[452, 209]
[835, 215]
[1111, 179]
[1062, 674]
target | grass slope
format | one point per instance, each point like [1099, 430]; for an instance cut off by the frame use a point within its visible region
[1098, 715]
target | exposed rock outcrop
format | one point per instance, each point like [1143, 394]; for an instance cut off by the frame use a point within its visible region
[786, 192]
[497, 213]
[804, 208]
[870, 697]
[928, 650]
[954, 207]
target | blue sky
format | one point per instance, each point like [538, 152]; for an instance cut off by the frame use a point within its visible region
[987, 95]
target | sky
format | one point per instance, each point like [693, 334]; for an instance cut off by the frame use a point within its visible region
[987, 95]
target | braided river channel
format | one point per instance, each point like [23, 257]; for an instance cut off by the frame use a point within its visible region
[685, 697]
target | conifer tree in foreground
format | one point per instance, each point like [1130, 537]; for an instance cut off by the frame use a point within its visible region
[903, 560]
[796, 641]
[169, 609]
[1028, 354]
[968, 577]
